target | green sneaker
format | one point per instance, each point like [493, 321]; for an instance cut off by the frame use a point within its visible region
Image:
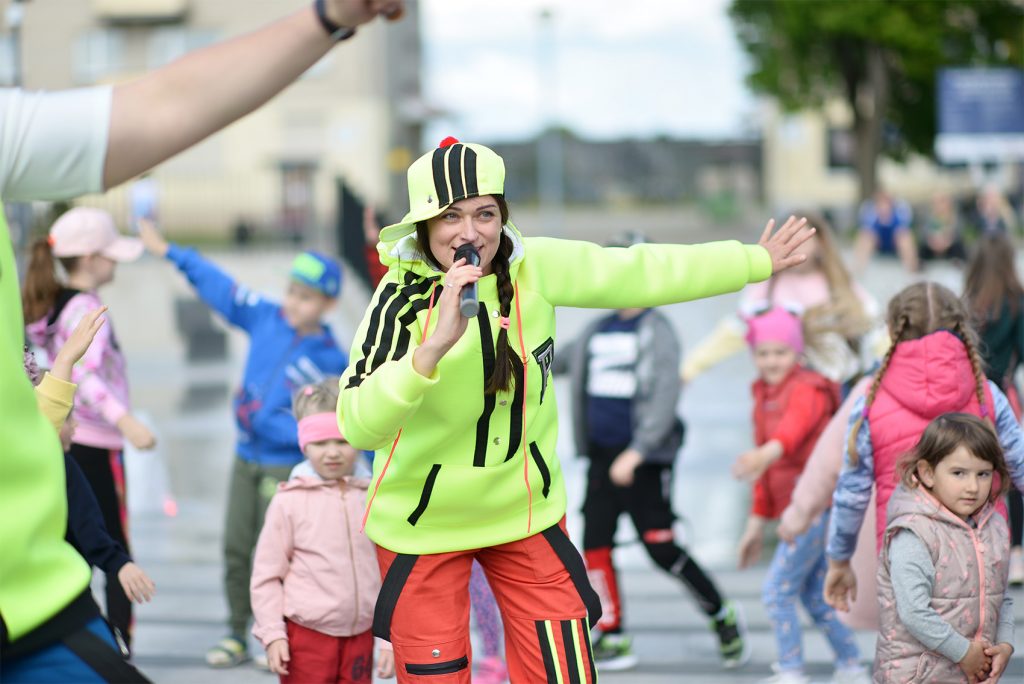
[614, 652]
[731, 630]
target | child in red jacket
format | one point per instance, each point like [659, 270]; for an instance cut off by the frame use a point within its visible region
[792, 405]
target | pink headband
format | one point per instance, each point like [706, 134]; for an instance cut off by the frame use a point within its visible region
[776, 325]
[317, 428]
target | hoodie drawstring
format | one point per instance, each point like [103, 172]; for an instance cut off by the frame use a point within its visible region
[384, 470]
[526, 460]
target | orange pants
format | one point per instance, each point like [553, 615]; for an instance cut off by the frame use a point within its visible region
[541, 587]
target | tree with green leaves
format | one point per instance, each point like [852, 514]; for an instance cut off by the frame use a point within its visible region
[881, 56]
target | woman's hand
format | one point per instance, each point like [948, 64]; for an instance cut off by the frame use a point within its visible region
[840, 585]
[136, 583]
[353, 13]
[451, 324]
[781, 243]
[278, 656]
[151, 238]
[78, 343]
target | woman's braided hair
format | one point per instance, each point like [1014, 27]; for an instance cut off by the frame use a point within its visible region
[507, 364]
[919, 310]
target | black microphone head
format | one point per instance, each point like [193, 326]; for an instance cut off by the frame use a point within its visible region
[468, 252]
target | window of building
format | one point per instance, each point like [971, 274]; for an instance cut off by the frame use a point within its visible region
[168, 43]
[97, 55]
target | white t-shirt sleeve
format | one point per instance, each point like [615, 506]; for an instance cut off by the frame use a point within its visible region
[53, 144]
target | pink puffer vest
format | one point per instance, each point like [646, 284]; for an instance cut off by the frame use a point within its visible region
[970, 579]
[926, 377]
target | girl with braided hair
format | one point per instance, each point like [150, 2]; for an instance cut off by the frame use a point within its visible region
[932, 367]
[463, 422]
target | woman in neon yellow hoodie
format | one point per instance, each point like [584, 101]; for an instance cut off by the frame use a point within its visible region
[465, 425]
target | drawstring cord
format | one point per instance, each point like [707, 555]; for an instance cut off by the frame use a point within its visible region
[384, 470]
[526, 461]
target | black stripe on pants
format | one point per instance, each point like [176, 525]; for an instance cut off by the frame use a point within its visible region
[95, 465]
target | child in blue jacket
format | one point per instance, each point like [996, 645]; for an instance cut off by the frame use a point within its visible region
[290, 347]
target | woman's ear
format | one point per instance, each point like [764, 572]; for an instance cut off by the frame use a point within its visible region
[925, 473]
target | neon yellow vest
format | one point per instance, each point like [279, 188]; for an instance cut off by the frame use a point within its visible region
[458, 477]
[40, 573]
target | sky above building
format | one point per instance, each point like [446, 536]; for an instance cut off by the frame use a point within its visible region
[602, 68]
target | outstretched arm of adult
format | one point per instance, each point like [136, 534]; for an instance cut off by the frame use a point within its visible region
[174, 107]
[781, 243]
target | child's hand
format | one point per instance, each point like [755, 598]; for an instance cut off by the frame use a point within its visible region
[750, 547]
[976, 664]
[385, 663]
[151, 238]
[136, 583]
[278, 656]
[135, 432]
[77, 344]
[1000, 654]
[752, 464]
[624, 467]
[67, 431]
[840, 585]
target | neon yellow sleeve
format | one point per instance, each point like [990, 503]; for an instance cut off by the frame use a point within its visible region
[380, 388]
[724, 341]
[55, 398]
[583, 274]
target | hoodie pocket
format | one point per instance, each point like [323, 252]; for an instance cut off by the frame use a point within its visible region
[542, 467]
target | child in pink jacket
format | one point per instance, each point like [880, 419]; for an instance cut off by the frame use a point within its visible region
[315, 576]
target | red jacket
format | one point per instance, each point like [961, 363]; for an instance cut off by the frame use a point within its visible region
[795, 412]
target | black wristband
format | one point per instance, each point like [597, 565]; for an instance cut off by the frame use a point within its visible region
[337, 33]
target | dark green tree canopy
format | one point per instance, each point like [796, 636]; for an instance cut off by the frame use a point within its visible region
[876, 54]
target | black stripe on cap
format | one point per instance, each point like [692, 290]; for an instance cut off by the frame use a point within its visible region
[469, 164]
[440, 183]
[455, 171]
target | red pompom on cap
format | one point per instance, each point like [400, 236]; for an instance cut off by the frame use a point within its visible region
[448, 142]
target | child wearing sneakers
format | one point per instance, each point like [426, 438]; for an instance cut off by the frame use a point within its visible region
[792, 406]
[315, 577]
[290, 347]
[624, 420]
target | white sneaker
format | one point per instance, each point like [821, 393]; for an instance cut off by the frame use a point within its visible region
[1016, 566]
[786, 676]
[851, 675]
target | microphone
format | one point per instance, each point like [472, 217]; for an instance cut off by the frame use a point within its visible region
[468, 304]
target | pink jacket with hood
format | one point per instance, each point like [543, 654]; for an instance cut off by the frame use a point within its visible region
[970, 580]
[312, 564]
[926, 377]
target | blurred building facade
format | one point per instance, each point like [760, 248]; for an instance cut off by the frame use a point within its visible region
[357, 115]
[627, 171]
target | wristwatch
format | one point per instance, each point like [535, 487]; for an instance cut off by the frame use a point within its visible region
[337, 33]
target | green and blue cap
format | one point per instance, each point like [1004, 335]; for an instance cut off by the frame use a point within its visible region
[319, 272]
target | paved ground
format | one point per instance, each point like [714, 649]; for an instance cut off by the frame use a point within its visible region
[188, 405]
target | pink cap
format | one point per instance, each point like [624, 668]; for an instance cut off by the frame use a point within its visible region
[776, 325]
[84, 230]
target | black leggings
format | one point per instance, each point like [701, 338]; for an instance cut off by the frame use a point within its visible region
[1015, 503]
[104, 469]
[648, 503]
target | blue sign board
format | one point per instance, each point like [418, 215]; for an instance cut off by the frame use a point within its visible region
[980, 114]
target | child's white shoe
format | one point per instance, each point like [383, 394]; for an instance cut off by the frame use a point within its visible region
[786, 676]
[851, 675]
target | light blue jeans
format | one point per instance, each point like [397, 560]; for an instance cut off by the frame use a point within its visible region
[797, 573]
